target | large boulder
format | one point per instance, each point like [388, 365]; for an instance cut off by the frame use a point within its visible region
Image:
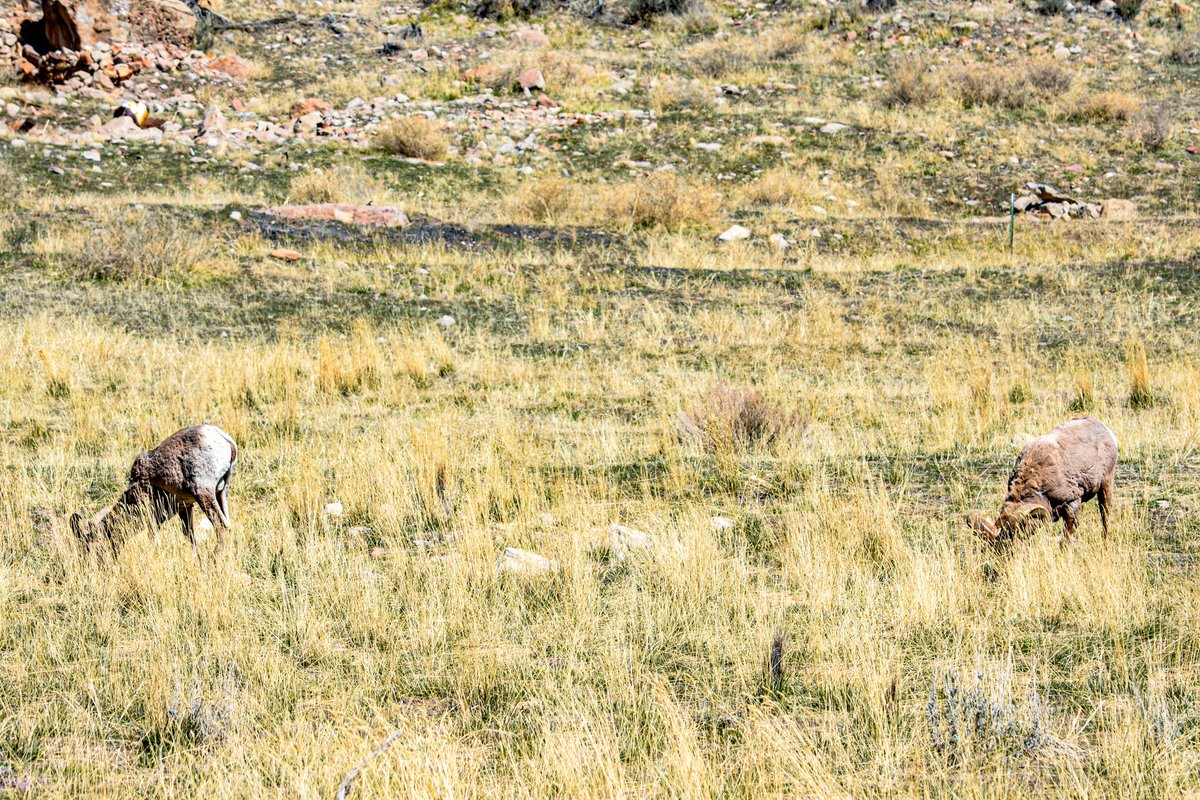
[79, 24]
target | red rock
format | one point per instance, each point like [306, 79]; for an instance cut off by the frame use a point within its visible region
[531, 79]
[286, 255]
[309, 105]
[122, 72]
[379, 216]
[545, 102]
[232, 66]
[484, 74]
[530, 37]
[27, 68]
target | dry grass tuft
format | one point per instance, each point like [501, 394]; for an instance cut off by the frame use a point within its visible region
[911, 83]
[732, 418]
[661, 200]
[1103, 107]
[345, 183]
[136, 246]
[547, 197]
[415, 137]
[1152, 127]
[1141, 394]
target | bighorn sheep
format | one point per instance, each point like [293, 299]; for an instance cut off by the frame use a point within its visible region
[1054, 476]
[191, 466]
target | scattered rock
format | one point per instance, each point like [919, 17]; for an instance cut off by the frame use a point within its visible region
[1118, 210]
[213, 123]
[232, 66]
[734, 233]
[307, 123]
[835, 127]
[286, 255]
[531, 79]
[380, 216]
[334, 509]
[778, 241]
[446, 322]
[623, 541]
[530, 37]
[523, 562]
[308, 105]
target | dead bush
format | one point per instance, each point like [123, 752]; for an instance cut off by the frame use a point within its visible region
[1010, 86]
[718, 59]
[1049, 77]
[1185, 51]
[738, 418]
[1103, 107]
[673, 94]
[547, 197]
[136, 246]
[507, 9]
[664, 199]
[644, 11]
[911, 83]
[414, 137]
[784, 186]
[341, 184]
[559, 70]
[1152, 127]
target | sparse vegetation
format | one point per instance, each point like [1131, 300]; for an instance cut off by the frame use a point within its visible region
[662, 200]
[414, 137]
[791, 426]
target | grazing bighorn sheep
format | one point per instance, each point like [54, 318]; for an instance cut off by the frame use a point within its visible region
[191, 466]
[1054, 476]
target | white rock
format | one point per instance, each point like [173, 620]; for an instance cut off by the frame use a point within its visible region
[91, 155]
[734, 234]
[446, 321]
[335, 509]
[711, 147]
[523, 562]
[721, 523]
[1062, 53]
[623, 540]
[778, 241]
[835, 127]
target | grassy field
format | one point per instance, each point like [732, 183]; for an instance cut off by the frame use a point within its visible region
[845, 636]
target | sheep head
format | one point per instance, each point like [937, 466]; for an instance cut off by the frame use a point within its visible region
[1021, 517]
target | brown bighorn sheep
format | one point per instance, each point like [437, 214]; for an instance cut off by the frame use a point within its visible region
[1054, 476]
[191, 466]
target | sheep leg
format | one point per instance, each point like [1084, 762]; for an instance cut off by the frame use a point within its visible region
[185, 516]
[1104, 499]
[223, 504]
[212, 509]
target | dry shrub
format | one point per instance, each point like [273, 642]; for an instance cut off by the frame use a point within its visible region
[663, 199]
[643, 11]
[415, 137]
[1103, 107]
[1185, 51]
[1007, 86]
[717, 59]
[507, 9]
[1049, 77]
[560, 71]
[340, 184]
[911, 83]
[785, 43]
[1152, 127]
[736, 418]
[547, 197]
[783, 186]
[670, 94]
[138, 246]
[694, 22]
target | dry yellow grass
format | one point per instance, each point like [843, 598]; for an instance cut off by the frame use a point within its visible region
[414, 137]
